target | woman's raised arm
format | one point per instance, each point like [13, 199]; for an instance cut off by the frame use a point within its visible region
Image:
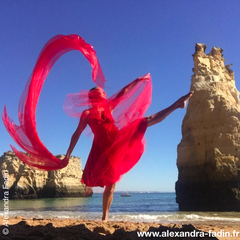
[127, 88]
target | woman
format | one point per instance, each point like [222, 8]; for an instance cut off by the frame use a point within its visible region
[117, 123]
[102, 167]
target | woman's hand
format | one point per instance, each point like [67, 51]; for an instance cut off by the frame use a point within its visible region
[144, 78]
[64, 162]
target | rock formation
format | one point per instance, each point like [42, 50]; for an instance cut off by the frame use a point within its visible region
[209, 152]
[24, 183]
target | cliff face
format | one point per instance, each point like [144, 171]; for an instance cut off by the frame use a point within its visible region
[209, 152]
[25, 183]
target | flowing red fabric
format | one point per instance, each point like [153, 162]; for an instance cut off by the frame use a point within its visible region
[25, 135]
[117, 122]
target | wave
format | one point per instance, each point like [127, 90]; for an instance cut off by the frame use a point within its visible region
[54, 214]
[212, 218]
[175, 217]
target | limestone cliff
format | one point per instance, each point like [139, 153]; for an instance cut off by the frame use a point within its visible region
[25, 183]
[209, 152]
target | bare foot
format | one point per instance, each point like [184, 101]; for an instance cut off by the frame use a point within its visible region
[104, 218]
[181, 102]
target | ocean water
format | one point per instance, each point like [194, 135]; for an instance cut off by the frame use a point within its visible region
[140, 207]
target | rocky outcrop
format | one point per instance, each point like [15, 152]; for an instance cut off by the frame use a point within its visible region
[23, 182]
[209, 152]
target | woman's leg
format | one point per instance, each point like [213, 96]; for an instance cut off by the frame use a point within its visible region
[107, 200]
[159, 116]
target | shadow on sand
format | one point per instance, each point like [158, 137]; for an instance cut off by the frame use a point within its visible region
[22, 231]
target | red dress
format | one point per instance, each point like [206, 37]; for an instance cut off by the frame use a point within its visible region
[114, 152]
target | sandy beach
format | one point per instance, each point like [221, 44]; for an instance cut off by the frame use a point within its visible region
[47, 229]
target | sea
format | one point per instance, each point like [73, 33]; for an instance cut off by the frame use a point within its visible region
[139, 207]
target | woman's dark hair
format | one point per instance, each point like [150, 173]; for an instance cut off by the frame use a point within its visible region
[90, 94]
[93, 89]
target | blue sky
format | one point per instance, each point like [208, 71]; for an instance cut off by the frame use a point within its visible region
[132, 38]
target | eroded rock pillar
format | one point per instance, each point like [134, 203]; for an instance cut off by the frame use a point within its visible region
[209, 152]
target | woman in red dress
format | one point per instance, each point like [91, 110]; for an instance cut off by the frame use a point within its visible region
[114, 151]
[118, 123]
